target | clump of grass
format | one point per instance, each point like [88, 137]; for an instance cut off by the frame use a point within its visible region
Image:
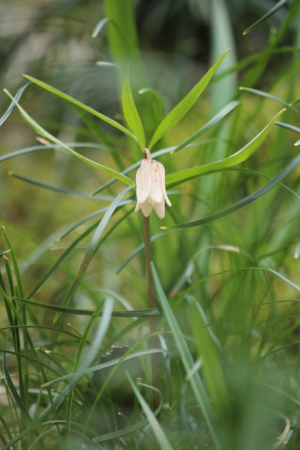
[194, 343]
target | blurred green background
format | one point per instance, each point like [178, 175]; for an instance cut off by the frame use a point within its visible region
[253, 313]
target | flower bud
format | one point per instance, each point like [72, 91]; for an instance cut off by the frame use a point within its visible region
[150, 188]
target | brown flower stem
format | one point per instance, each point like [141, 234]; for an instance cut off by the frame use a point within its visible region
[151, 304]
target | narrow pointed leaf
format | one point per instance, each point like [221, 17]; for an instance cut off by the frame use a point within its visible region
[80, 105]
[93, 247]
[131, 114]
[86, 312]
[11, 386]
[187, 360]
[12, 105]
[245, 201]
[51, 138]
[270, 96]
[263, 19]
[156, 428]
[288, 126]
[105, 365]
[226, 110]
[36, 148]
[210, 361]
[99, 26]
[232, 160]
[59, 189]
[185, 105]
[159, 104]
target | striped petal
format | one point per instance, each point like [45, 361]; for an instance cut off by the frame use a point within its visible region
[147, 207]
[138, 207]
[156, 193]
[163, 176]
[143, 181]
[159, 208]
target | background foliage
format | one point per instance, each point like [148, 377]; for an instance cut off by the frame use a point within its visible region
[227, 289]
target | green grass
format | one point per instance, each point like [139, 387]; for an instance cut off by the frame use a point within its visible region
[75, 344]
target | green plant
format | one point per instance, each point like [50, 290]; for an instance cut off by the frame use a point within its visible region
[219, 338]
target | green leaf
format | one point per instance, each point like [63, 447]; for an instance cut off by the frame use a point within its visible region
[80, 105]
[49, 136]
[102, 366]
[157, 104]
[266, 54]
[138, 250]
[91, 216]
[211, 365]
[99, 26]
[185, 105]
[156, 236]
[59, 189]
[232, 160]
[266, 16]
[36, 148]
[166, 356]
[156, 428]
[131, 114]
[96, 344]
[245, 201]
[188, 362]
[128, 430]
[86, 312]
[226, 110]
[92, 248]
[11, 386]
[270, 96]
[12, 105]
[288, 126]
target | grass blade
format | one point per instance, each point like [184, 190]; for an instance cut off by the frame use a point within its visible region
[59, 189]
[185, 105]
[86, 312]
[211, 365]
[263, 19]
[51, 138]
[157, 430]
[12, 105]
[93, 247]
[232, 160]
[276, 180]
[105, 365]
[131, 114]
[36, 148]
[270, 96]
[80, 105]
[288, 126]
[226, 110]
[188, 362]
[99, 26]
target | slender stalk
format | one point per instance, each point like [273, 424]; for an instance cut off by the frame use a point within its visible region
[151, 304]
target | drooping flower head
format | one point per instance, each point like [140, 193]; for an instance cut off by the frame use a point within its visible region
[150, 187]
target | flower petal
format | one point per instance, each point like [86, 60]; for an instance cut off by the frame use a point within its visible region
[138, 207]
[157, 193]
[163, 176]
[159, 208]
[147, 207]
[143, 181]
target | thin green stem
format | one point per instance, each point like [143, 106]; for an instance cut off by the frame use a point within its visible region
[151, 304]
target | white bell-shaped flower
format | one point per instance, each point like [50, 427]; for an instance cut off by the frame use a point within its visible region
[150, 188]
